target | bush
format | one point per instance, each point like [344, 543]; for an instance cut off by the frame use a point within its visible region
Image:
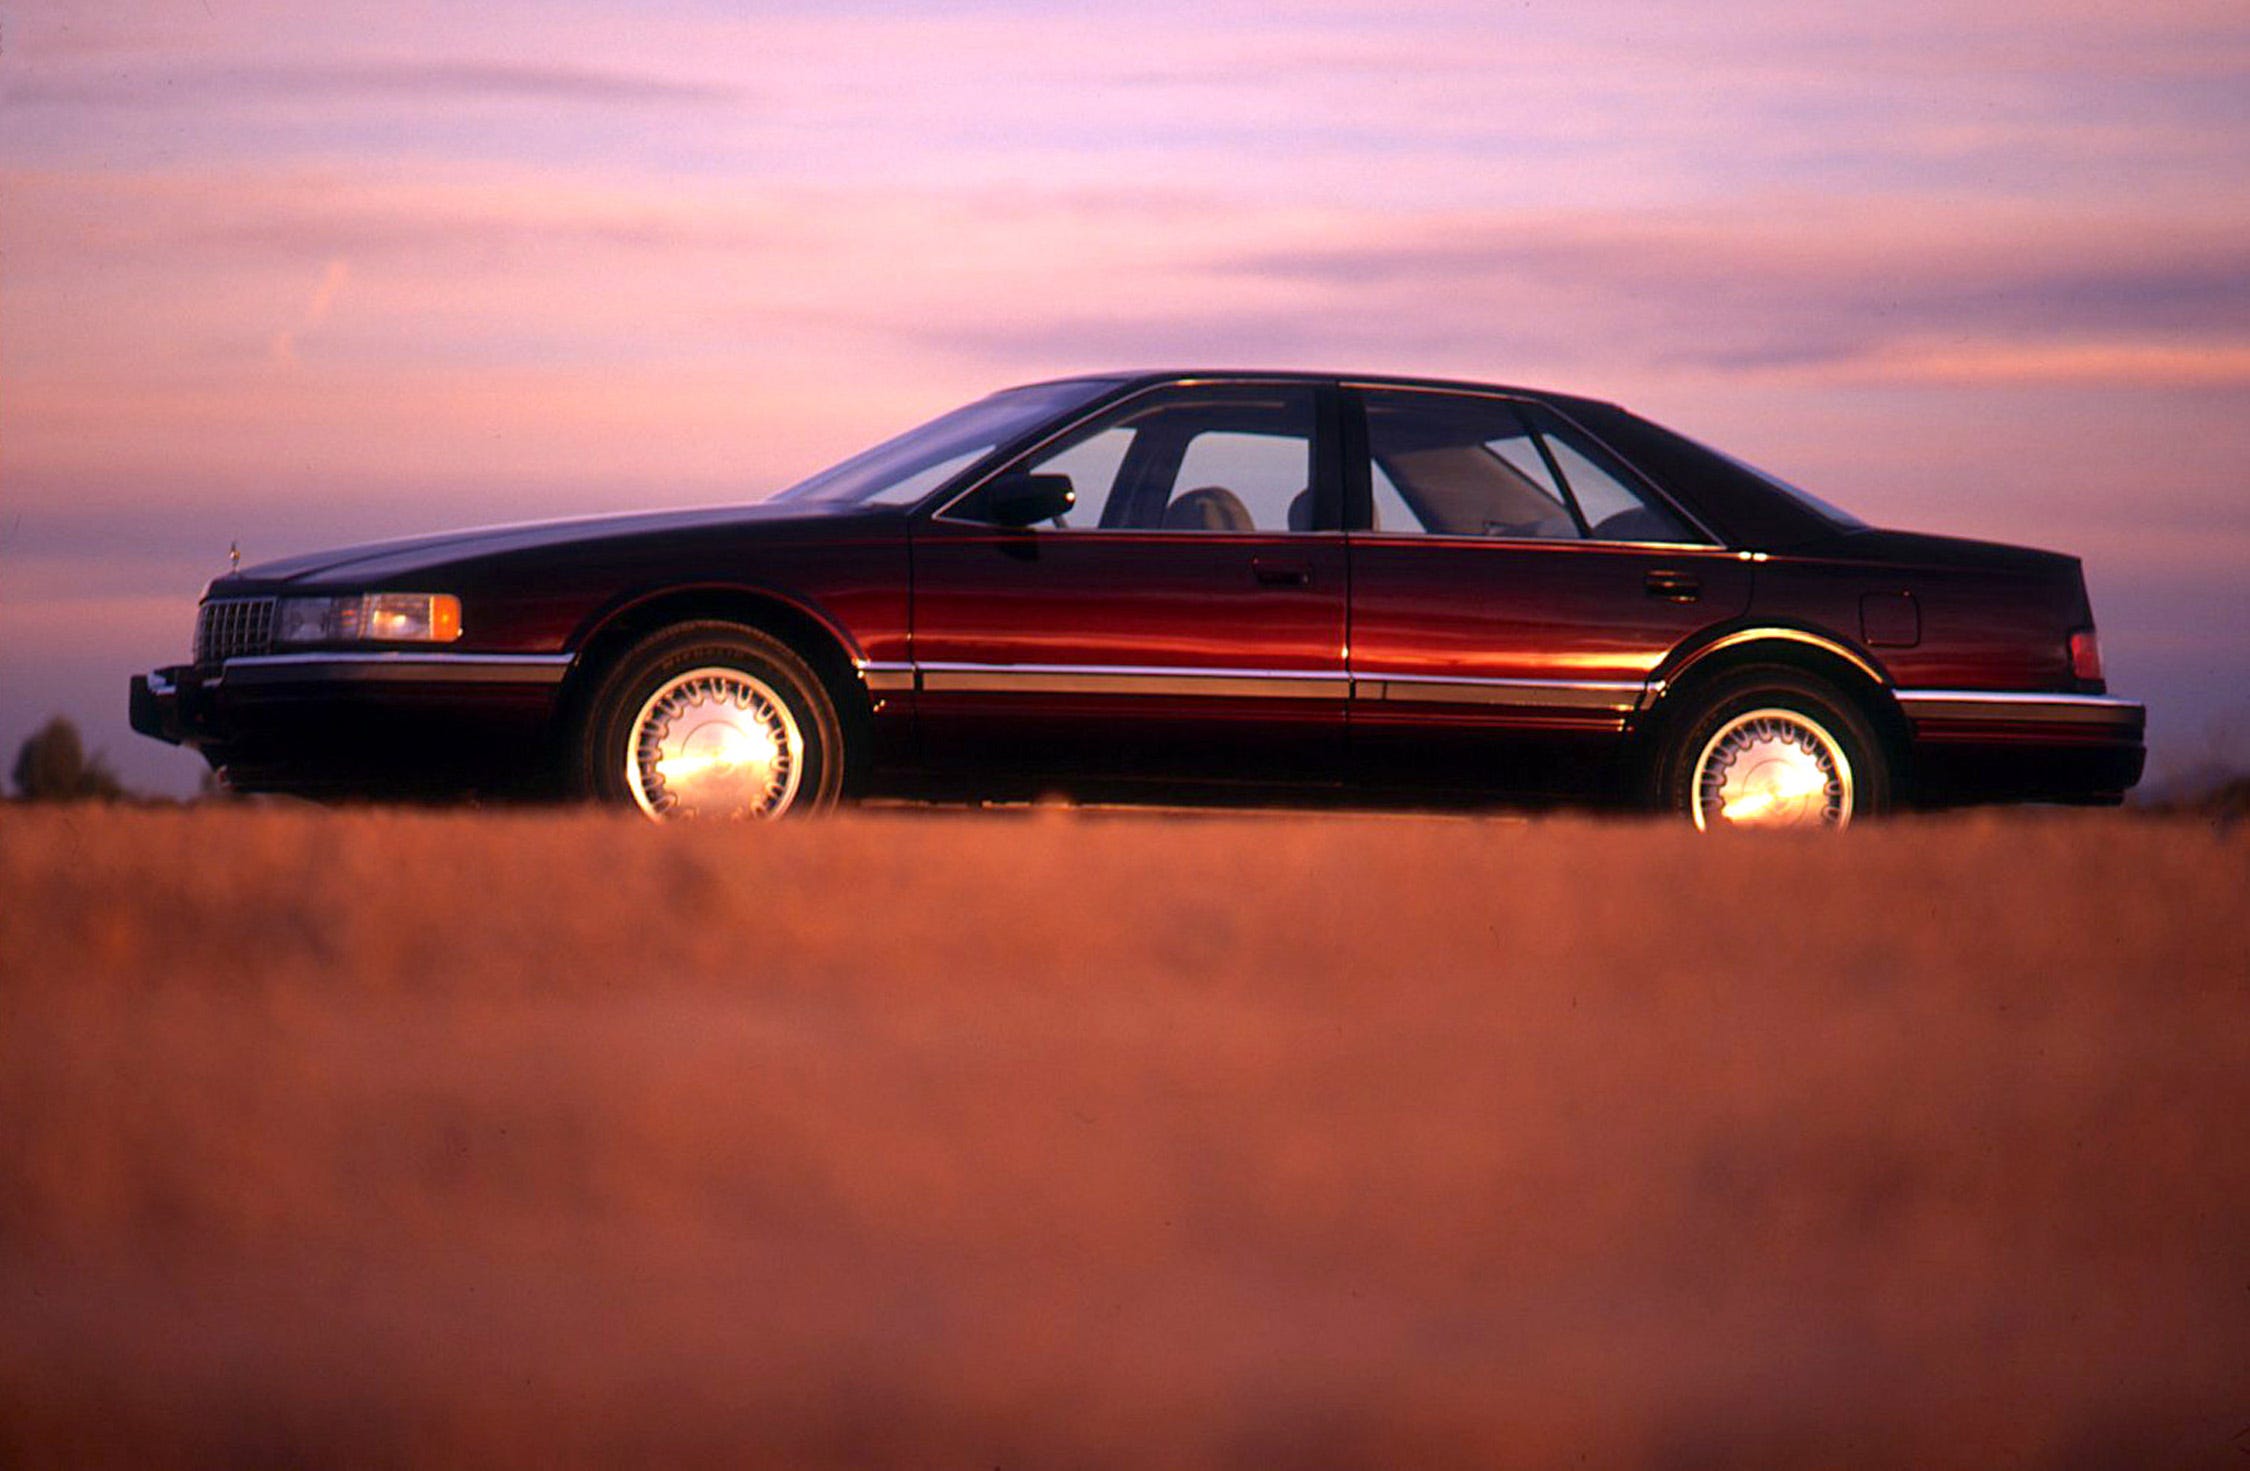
[52, 766]
[2229, 798]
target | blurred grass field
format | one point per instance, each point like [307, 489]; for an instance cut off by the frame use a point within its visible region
[1045, 1140]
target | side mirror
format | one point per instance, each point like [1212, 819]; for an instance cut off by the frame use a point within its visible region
[1019, 499]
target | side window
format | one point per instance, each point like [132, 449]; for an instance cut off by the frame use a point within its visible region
[1093, 464]
[1456, 465]
[1226, 458]
[1391, 512]
[1614, 509]
[1467, 465]
[1262, 473]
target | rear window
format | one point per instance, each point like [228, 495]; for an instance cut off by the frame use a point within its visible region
[1746, 506]
[1844, 519]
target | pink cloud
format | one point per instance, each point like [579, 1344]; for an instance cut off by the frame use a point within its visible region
[316, 312]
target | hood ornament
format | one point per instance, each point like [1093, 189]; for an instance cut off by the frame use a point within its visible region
[234, 556]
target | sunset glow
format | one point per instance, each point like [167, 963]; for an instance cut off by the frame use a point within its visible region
[299, 275]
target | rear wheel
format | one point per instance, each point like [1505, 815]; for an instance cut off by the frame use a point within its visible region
[1771, 748]
[711, 720]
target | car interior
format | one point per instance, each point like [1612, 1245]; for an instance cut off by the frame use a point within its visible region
[1230, 462]
[1240, 462]
[1474, 467]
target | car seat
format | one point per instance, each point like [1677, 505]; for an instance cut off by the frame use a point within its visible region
[1208, 508]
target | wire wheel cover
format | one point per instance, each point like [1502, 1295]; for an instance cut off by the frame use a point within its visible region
[1772, 768]
[714, 742]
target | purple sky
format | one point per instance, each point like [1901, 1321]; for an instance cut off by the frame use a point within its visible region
[299, 274]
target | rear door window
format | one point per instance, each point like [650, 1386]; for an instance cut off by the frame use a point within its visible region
[1448, 464]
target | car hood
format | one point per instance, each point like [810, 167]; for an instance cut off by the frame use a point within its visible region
[407, 555]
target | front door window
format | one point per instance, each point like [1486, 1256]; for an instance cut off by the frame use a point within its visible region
[1232, 458]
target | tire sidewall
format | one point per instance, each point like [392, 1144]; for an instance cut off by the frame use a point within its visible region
[1729, 695]
[605, 725]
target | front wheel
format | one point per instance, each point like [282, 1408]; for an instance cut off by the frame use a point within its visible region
[1771, 748]
[711, 720]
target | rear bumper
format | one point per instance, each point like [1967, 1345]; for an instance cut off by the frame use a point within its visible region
[1982, 746]
[359, 723]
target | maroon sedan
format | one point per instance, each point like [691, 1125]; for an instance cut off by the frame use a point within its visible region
[1184, 586]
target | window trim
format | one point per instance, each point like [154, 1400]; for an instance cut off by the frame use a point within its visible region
[1562, 481]
[1327, 493]
[1359, 518]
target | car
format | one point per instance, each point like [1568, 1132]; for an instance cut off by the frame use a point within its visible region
[1184, 587]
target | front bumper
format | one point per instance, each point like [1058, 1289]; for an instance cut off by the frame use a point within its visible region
[154, 706]
[358, 722]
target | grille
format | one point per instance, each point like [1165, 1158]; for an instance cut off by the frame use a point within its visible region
[232, 626]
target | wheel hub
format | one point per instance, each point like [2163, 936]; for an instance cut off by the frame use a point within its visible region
[1772, 768]
[714, 743]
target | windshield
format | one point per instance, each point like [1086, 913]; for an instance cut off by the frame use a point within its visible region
[901, 471]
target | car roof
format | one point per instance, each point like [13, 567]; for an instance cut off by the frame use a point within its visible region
[1141, 376]
[1741, 506]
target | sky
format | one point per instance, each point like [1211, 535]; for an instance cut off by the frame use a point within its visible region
[293, 275]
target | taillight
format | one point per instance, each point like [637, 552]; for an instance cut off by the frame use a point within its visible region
[2085, 654]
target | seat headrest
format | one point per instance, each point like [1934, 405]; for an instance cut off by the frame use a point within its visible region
[1208, 508]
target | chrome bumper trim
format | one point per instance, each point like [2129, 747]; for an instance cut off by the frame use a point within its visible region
[395, 668]
[2001, 707]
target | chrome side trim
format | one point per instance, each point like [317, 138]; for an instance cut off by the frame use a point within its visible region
[883, 678]
[2002, 707]
[1541, 543]
[1103, 679]
[1617, 697]
[396, 668]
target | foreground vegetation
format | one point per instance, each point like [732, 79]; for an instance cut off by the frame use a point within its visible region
[1066, 1140]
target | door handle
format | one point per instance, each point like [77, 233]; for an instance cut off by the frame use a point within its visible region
[1674, 587]
[1280, 574]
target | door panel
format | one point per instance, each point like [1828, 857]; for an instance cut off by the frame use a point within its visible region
[1513, 586]
[1512, 665]
[1130, 654]
[1184, 619]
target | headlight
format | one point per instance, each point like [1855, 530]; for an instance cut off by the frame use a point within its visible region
[376, 617]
